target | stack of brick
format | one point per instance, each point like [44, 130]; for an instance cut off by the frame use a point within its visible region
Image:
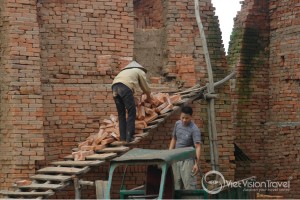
[108, 133]
[147, 112]
[109, 130]
[22, 182]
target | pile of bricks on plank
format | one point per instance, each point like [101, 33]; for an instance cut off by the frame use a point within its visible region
[109, 130]
[20, 183]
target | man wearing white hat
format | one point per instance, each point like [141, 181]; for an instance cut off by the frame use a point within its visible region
[132, 77]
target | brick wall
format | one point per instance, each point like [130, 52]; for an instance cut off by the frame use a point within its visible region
[284, 64]
[282, 129]
[184, 43]
[57, 58]
[248, 53]
[5, 123]
[264, 48]
[75, 34]
[84, 44]
[22, 141]
[73, 113]
[148, 14]
[282, 161]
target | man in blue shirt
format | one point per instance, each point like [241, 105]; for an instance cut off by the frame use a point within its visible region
[186, 134]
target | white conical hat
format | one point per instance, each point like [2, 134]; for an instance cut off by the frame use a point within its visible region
[134, 64]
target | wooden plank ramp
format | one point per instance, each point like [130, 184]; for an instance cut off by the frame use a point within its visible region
[45, 177]
[63, 170]
[59, 175]
[77, 163]
[19, 194]
[35, 186]
[119, 149]
[96, 156]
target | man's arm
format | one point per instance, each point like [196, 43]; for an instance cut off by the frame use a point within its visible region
[173, 140]
[198, 152]
[143, 84]
[172, 143]
[196, 167]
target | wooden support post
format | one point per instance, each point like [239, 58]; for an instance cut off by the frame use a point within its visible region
[78, 185]
[101, 187]
[77, 188]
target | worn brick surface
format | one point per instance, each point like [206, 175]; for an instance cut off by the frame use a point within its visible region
[22, 141]
[248, 52]
[149, 14]
[283, 127]
[264, 48]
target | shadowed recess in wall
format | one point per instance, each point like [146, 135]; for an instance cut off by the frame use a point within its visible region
[249, 51]
[240, 155]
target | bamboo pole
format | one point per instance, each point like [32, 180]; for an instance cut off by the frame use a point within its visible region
[211, 102]
[216, 84]
[211, 144]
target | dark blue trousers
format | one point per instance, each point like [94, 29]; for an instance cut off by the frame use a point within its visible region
[124, 100]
